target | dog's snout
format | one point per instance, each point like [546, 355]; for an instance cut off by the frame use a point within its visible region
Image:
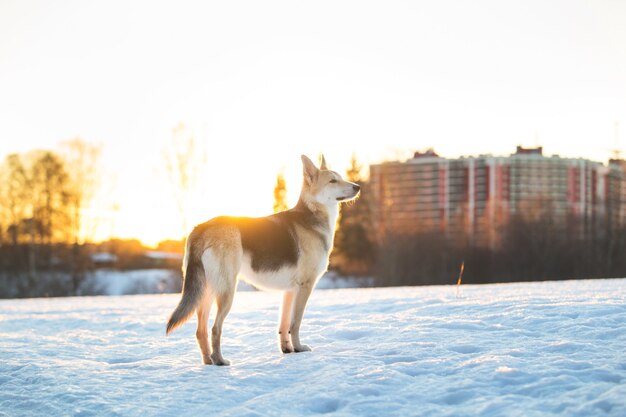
[356, 188]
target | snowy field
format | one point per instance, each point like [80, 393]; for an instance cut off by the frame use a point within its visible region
[539, 349]
[158, 281]
[139, 281]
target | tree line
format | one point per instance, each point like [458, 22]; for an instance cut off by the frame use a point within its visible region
[47, 225]
[42, 226]
[46, 239]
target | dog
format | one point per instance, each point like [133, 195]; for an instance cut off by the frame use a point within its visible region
[287, 251]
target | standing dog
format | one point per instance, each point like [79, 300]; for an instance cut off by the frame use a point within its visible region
[286, 251]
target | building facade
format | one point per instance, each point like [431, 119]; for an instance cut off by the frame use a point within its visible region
[476, 196]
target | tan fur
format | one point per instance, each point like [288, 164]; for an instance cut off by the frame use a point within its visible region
[215, 256]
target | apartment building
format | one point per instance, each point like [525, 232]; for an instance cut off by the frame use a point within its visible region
[615, 193]
[476, 196]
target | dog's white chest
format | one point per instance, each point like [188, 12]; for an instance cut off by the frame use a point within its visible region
[281, 279]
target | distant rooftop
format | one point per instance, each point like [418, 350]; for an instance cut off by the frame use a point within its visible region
[529, 151]
[430, 156]
[619, 162]
[429, 153]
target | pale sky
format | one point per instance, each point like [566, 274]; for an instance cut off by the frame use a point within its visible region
[262, 82]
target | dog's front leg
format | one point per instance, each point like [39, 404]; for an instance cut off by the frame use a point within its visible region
[286, 310]
[301, 297]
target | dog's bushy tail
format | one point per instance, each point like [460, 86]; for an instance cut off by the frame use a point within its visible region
[194, 288]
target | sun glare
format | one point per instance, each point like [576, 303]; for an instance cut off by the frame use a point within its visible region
[236, 186]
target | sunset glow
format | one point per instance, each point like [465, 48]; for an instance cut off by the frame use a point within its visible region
[261, 83]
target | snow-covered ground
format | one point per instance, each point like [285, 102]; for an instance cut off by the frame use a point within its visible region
[158, 281]
[556, 348]
[138, 281]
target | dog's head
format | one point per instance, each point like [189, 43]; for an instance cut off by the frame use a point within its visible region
[326, 186]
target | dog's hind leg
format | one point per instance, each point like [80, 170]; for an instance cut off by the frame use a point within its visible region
[224, 301]
[286, 310]
[201, 333]
[301, 297]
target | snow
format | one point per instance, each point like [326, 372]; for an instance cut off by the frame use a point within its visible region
[160, 280]
[332, 280]
[160, 255]
[103, 257]
[138, 281]
[527, 349]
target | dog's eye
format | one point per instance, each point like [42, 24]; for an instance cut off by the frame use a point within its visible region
[333, 181]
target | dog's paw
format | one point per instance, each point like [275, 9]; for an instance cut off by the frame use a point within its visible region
[219, 360]
[222, 362]
[302, 348]
[286, 347]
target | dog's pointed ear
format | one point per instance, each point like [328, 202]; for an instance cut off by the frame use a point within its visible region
[308, 169]
[323, 162]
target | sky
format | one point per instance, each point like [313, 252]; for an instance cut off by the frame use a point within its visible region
[260, 83]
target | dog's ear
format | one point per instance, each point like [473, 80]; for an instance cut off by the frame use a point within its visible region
[323, 162]
[308, 169]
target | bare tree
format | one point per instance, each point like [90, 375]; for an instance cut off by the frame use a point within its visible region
[49, 184]
[184, 158]
[82, 165]
[13, 196]
[44, 220]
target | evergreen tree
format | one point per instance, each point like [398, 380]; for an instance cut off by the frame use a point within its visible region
[354, 242]
[280, 193]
